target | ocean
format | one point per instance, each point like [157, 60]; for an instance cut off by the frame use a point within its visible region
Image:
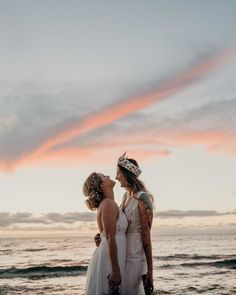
[189, 264]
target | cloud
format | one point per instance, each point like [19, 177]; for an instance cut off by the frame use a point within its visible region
[7, 123]
[33, 149]
[194, 230]
[124, 108]
[170, 222]
[190, 213]
[72, 218]
[37, 111]
[204, 125]
[9, 219]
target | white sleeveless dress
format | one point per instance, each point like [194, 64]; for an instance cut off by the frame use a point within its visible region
[100, 266]
[136, 264]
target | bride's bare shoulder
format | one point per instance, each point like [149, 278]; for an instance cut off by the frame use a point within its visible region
[107, 204]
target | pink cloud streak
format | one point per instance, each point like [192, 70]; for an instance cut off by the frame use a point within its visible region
[121, 109]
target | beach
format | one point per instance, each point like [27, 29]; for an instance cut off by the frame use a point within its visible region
[186, 264]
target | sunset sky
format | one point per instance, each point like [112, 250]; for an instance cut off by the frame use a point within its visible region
[83, 82]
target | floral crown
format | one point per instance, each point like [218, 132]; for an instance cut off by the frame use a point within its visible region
[125, 163]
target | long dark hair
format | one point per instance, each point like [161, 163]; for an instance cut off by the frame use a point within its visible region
[134, 183]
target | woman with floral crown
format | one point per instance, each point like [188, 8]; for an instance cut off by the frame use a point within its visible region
[106, 270]
[137, 204]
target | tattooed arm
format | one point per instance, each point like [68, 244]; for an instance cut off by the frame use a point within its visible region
[146, 216]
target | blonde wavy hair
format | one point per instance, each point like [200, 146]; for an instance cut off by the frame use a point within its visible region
[92, 190]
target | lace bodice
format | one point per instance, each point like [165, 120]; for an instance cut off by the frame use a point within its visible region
[133, 216]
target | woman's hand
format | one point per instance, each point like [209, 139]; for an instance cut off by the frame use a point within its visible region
[97, 239]
[114, 280]
[148, 282]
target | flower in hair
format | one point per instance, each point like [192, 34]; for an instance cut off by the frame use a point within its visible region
[125, 163]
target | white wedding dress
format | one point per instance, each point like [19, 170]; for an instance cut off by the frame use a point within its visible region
[136, 264]
[100, 266]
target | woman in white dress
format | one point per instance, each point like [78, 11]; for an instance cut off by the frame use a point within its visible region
[137, 205]
[106, 270]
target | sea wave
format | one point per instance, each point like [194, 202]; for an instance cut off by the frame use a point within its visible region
[34, 249]
[227, 263]
[5, 252]
[194, 257]
[43, 271]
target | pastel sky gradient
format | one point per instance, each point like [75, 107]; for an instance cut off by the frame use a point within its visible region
[82, 82]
